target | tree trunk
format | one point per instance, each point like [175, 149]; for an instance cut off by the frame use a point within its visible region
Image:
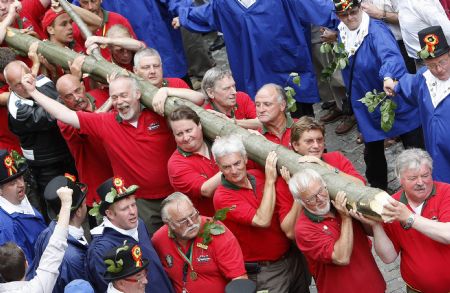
[367, 200]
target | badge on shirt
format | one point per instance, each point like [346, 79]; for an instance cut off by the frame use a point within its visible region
[326, 230]
[169, 260]
[203, 259]
[153, 126]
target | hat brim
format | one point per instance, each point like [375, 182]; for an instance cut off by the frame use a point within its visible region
[84, 189]
[104, 205]
[112, 277]
[23, 168]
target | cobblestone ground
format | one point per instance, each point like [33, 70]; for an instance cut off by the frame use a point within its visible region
[348, 146]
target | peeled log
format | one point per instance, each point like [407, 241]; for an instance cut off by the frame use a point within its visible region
[367, 200]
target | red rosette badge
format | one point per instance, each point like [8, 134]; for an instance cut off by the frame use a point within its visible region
[137, 255]
[9, 164]
[431, 40]
[119, 185]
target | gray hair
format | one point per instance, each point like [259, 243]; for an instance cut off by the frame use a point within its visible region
[132, 80]
[145, 52]
[173, 198]
[212, 76]
[412, 159]
[118, 31]
[228, 145]
[301, 181]
[281, 97]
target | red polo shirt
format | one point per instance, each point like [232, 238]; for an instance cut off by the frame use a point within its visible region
[31, 16]
[176, 82]
[215, 264]
[138, 155]
[244, 109]
[188, 172]
[316, 236]
[91, 160]
[8, 141]
[285, 138]
[339, 161]
[424, 261]
[258, 244]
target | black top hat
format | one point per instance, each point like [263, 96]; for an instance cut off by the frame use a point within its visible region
[344, 5]
[52, 199]
[433, 42]
[124, 261]
[11, 166]
[113, 190]
[241, 286]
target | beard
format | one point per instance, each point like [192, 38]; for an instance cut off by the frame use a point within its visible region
[194, 227]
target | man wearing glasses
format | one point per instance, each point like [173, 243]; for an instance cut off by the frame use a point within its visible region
[336, 247]
[193, 263]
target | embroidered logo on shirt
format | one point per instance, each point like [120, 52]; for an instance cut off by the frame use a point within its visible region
[325, 230]
[153, 126]
[203, 258]
[169, 260]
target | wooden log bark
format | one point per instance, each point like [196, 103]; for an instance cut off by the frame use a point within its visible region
[367, 200]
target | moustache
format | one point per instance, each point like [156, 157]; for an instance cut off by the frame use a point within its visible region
[191, 228]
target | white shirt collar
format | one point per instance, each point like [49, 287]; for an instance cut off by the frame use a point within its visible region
[247, 3]
[23, 208]
[112, 289]
[133, 233]
[352, 40]
[439, 89]
[78, 234]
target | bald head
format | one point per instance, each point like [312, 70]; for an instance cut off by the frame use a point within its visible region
[270, 103]
[72, 93]
[13, 74]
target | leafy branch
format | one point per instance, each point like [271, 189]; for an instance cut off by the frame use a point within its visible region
[339, 58]
[290, 92]
[387, 109]
[212, 227]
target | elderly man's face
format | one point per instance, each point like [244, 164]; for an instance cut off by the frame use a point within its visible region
[125, 99]
[15, 79]
[4, 8]
[61, 30]
[184, 220]
[73, 94]
[440, 66]
[121, 56]
[233, 167]
[417, 183]
[310, 143]
[124, 213]
[188, 135]
[150, 68]
[14, 191]
[91, 5]
[268, 106]
[351, 18]
[316, 198]
[224, 92]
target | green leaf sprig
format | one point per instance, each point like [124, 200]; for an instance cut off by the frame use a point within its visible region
[339, 58]
[424, 54]
[18, 159]
[212, 227]
[387, 108]
[290, 91]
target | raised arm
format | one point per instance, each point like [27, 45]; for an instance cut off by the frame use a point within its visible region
[54, 108]
[343, 247]
[161, 95]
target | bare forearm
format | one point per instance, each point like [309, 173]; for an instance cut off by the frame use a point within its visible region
[288, 224]
[187, 94]
[264, 213]
[344, 245]
[383, 245]
[4, 98]
[92, 20]
[209, 187]
[105, 107]
[437, 231]
[56, 109]
[249, 123]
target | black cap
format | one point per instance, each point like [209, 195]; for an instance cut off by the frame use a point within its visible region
[241, 286]
[10, 168]
[344, 5]
[433, 42]
[52, 199]
[124, 261]
[114, 186]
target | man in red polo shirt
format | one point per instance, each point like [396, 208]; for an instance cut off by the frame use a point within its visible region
[268, 258]
[336, 247]
[192, 168]
[271, 110]
[223, 100]
[137, 141]
[91, 160]
[418, 225]
[192, 264]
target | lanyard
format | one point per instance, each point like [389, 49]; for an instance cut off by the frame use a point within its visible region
[188, 263]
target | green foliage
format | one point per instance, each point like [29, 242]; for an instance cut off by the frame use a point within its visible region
[212, 227]
[339, 58]
[18, 159]
[424, 54]
[111, 196]
[114, 266]
[387, 108]
[290, 91]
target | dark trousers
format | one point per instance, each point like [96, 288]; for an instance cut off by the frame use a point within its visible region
[303, 109]
[409, 62]
[376, 165]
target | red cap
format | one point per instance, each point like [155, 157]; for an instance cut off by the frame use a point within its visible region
[49, 18]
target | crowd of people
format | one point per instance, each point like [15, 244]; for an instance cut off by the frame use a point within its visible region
[102, 189]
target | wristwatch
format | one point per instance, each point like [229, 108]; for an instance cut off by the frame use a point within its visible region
[410, 221]
[384, 18]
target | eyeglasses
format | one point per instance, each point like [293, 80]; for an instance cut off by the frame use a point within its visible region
[191, 218]
[139, 280]
[351, 12]
[313, 198]
[443, 63]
